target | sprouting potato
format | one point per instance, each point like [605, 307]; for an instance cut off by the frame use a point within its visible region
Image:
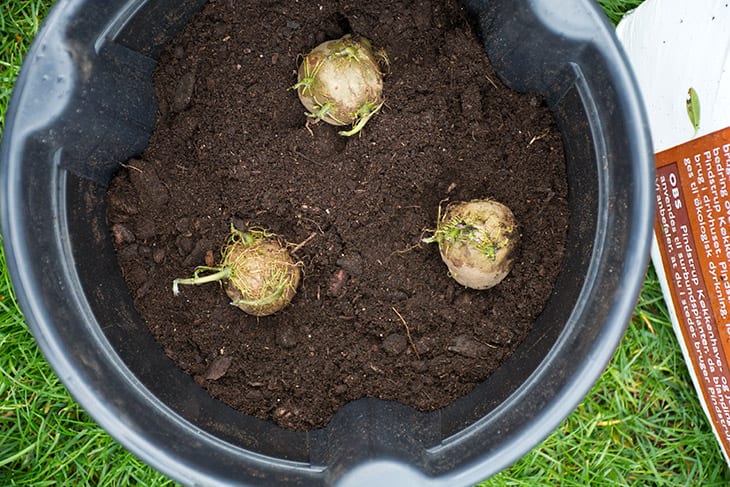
[260, 275]
[477, 240]
[340, 82]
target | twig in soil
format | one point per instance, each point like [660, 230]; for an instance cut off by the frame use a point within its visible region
[493, 83]
[129, 166]
[408, 332]
[298, 246]
[538, 137]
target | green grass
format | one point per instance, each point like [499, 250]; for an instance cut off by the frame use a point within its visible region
[19, 21]
[640, 425]
[615, 9]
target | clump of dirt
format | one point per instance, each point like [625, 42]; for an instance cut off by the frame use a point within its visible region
[376, 313]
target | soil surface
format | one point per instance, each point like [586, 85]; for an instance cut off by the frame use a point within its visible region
[376, 313]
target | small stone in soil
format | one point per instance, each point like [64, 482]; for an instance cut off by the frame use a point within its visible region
[337, 284]
[468, 347]
[218, 368]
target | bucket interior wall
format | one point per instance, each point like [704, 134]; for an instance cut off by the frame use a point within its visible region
[138, 39]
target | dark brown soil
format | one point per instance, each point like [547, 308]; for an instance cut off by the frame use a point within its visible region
[231, 146]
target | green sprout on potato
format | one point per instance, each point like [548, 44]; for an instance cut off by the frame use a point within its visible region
[260, 274]
[340, 82]
[477, 241]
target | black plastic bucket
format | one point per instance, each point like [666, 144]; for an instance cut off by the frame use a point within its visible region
[84, 103]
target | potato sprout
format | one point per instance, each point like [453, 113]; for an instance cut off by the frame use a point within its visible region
[477, 241]
[340, 82]
[261, 276]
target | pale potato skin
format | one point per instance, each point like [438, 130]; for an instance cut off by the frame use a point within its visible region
[345, 81]
[264, 277]
[493, 223]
